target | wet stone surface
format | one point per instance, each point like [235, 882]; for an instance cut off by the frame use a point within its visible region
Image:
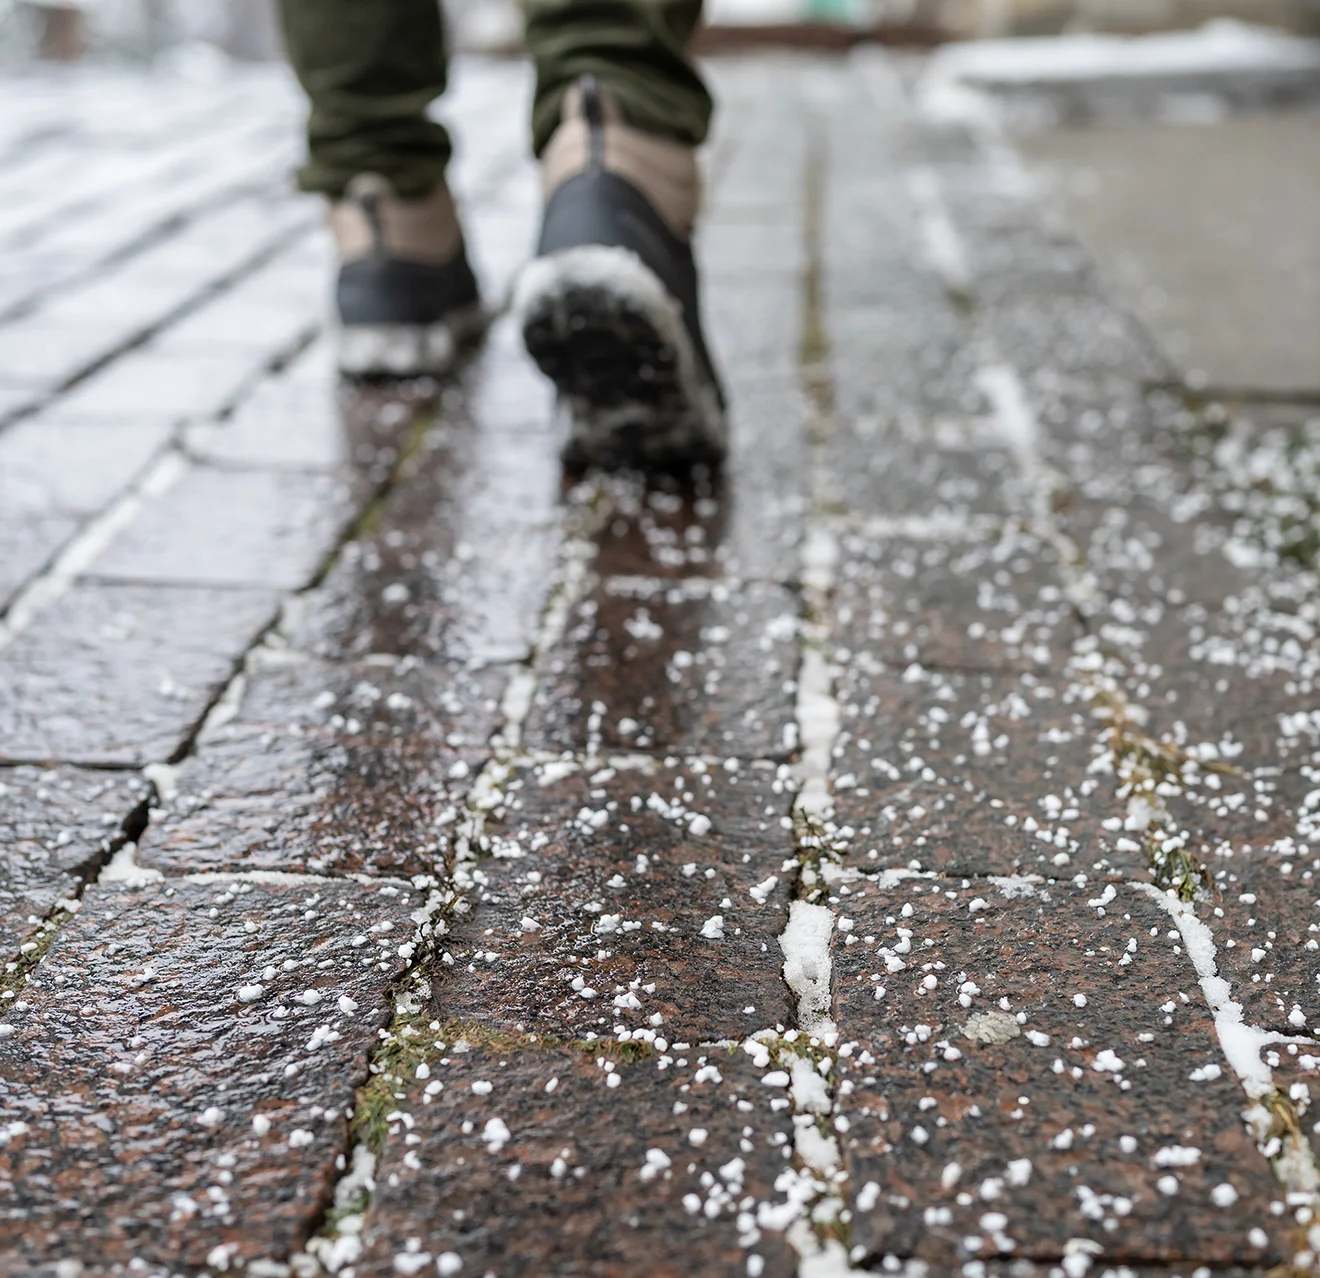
[663, 529]
[44, 501]
[921, 462]
[625, 898]
[974, 774]
[231, 528]
[1264, 918]
[179, 1066]
[1206, 642]
[517, 1159]
[330, 770]
[37, 476]
[1075, 336]
[56, 827]
[455, 566]
[755, 325]
[1015, 251]
[1108, 1116]
[1041, 300]
[304, 419]
[1047, 1269]
[27, 545]
[121, 674]
[1200, 534]
[765, 489]
[556, 1106]
[692, 666]
[974, 598]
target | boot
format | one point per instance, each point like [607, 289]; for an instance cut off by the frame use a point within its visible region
[609, 308]
[407, 298]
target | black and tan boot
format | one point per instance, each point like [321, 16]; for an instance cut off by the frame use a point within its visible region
[609, 309]
[406, 296]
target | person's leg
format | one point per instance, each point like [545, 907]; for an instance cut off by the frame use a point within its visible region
[610, 308]
[636, 49]
[370, 69]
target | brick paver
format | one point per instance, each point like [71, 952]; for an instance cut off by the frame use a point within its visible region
[1083, 1125]
[176, 1074]
[894, 855]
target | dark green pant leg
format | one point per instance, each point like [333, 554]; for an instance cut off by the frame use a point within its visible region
[370, 68]
[635, 48]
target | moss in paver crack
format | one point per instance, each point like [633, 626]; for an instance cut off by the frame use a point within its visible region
[1143, 768]
[809, 1062]
[1283, 1142]
[368, 519]
[402, 1044]
[814, 352]
[18, 970]
[819, 844]
[415, 1039]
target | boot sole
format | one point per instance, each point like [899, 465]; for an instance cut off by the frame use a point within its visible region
[601, 326]
[407, 350]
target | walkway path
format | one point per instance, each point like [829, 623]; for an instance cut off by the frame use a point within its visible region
[898, 856]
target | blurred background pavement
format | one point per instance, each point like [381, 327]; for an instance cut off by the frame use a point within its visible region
[1179, 137]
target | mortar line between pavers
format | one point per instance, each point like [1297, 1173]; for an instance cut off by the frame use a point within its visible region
[816, 1214]
[117, 863]
[77, 556]
[167, 154]
[207, 293]
[1236, 395]
[86, 546]
[18, 969]
[1287, 1150]
[331, 1244]
[567, 585]
[159, 231]
[1271, 1117]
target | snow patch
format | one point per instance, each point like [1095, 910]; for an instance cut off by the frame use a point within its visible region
[818, 725]
[123, 868]
[1222, 46]
[165, 779]
[806, 946]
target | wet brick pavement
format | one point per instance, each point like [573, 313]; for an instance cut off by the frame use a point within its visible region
[895, 855]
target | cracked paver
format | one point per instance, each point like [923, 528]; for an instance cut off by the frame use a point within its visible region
[119, 674]
[57, 826]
